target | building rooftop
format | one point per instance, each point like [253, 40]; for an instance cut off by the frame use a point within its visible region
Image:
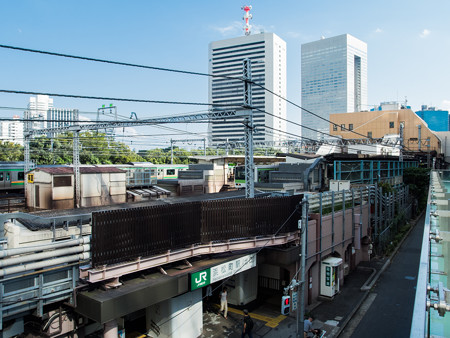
[83, 170]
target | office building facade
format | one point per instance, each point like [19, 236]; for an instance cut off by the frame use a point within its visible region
[60, 117]
[437, 120]
[12, 131]
[44, 115]
[37, 110]
[334, 80]
[267, 53]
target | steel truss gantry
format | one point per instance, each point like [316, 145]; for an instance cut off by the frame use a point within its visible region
[172, 142]
[79, 127]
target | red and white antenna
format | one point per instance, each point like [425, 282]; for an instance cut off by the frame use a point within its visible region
[246, 18]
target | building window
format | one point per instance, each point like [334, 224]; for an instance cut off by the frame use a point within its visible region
[62, 181]
[350, 126]
[391, 124]
[334, 127]
[369, 134]
[342, 126]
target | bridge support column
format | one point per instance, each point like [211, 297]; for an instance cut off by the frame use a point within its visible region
[180, 316]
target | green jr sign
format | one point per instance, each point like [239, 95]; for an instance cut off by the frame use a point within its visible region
[200, 279]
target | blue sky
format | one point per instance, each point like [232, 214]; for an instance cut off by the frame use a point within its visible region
[408, 47]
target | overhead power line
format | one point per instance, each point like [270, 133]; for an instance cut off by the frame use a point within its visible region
[166, 70]
[113, 98]
[169, 70]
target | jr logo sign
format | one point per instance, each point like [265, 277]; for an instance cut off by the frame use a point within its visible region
[200, 279]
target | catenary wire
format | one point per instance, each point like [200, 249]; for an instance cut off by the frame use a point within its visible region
[170, 70]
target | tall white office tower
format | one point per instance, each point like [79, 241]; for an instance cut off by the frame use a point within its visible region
[37, 108]
[267, 53]
[334, 80]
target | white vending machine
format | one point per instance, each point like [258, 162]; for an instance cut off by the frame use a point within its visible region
[329, 281]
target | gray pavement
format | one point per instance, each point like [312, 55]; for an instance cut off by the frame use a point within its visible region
[390, 313]
[357, 298]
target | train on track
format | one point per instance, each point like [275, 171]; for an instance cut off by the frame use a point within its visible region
[12, 173]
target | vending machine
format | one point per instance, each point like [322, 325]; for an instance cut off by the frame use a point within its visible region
[329, 278]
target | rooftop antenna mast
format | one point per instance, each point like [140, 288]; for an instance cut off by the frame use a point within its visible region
[246, 18]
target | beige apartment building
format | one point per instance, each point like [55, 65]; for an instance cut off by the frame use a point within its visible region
[377, 124]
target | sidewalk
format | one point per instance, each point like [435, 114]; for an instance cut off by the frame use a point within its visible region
[329, 315]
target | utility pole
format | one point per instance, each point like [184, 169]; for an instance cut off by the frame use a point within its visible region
[400, 157]
[76, 167]
[26, 149]
[248, 122]
[171, 151]
[420, 135]
[304, 234]
[428, 153]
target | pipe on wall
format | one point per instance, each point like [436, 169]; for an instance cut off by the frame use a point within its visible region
[42, 264]
[44, 255]
[54, 245]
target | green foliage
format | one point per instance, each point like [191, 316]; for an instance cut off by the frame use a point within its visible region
[95, 149]
[10, 151]
[418, 180]
[401, 227]
[337, 207]
[386, 188]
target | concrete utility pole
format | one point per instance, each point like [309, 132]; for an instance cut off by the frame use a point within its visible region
[400, 157]
[304, 234]
[248, 122]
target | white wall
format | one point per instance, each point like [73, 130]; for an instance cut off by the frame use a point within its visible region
[186, 313]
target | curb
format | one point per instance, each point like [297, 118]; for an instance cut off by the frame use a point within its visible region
[367, 289]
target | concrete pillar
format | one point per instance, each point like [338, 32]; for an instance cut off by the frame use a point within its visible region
[110, 329]
[180, 316]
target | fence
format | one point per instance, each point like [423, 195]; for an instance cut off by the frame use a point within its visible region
[390, 213]
[10, 204]
[121, 235]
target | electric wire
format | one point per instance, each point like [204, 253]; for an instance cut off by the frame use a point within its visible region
[175, 71]
[8, 91]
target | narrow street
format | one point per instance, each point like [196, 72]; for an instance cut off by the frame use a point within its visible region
[388, 309]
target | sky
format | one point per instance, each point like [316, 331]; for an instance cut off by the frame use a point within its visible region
[408, 47]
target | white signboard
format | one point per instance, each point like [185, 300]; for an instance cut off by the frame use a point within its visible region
[230, 268]
[294, 299]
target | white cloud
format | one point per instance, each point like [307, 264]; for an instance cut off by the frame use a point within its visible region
[83, 118]
[446, 104]
[236, 28]
[378, 30]
[231, 29]
[425, 33]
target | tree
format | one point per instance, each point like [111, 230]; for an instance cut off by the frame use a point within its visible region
[418, 180]
[94, 149]
[10, 151]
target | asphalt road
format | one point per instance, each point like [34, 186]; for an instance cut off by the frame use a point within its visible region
[388, 309]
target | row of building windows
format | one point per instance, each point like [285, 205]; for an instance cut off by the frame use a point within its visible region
[350, 127]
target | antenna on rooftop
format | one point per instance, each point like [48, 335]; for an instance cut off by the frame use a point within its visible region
[246, 18]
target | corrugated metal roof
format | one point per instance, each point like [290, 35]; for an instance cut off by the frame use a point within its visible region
[83, 170]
